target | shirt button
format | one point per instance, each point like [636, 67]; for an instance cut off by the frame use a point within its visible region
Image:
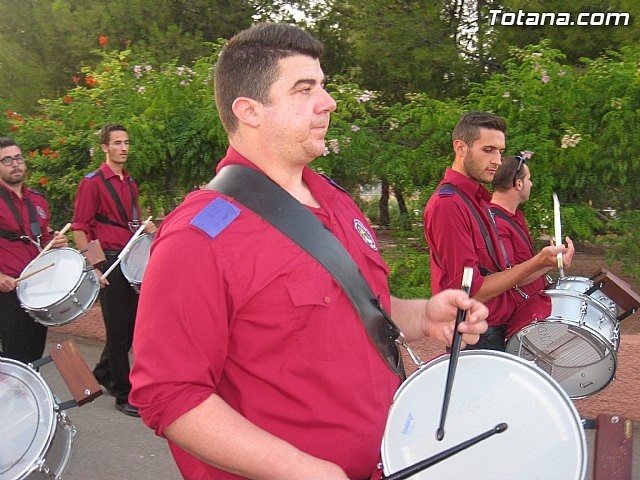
[327, 299]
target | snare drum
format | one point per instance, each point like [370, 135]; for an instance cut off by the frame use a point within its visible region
[544, 438]
[581, 285]
[576, 344]
[135, 260]
[57, 295]
[35, 441]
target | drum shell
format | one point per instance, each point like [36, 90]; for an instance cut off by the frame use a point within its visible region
[544, 439]
[581, 285]
[60, 294]
[38, 439]
[576, 344]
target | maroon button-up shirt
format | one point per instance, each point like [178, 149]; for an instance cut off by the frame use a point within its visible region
[15, 255]
[93, 198]
[456, 241]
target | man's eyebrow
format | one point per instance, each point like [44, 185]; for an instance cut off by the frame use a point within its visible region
[307, 82]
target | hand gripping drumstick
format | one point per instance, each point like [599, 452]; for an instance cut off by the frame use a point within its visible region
[126, 248]
[50, 244]
[557, 227]
[24, 277]
[411, 470]
[455, 353]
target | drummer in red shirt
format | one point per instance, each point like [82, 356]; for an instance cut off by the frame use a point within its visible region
[511, 188]
[106, 208]
[249, 356]
[460, 233]
[24, 231]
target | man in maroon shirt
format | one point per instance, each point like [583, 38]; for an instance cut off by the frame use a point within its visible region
[460, 233]
[511, 188]
[249, 356]
[106, 208]
[24, 230]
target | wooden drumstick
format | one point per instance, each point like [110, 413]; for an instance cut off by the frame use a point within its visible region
[24, 277]
[455, 353]
[50, 244]
[557, 227]
[126, 248]
[411, 470]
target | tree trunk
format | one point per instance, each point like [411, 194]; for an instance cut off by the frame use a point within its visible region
[385, 219]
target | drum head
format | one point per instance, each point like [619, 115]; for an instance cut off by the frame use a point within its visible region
[49, 286]
[135, 261]
[544, 438]
[27, 419]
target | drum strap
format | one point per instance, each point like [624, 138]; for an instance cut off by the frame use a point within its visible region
[275, 205]
[36, 231]
[481, 225]
[517, 228]
[135, 218]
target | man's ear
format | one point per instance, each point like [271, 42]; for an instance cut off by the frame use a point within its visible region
[459, 148]
[247, 111]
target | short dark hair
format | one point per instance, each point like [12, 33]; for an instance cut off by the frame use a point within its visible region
[504, 178]
[7, 142]
[105, 133]
[248, 64]
[468, 127]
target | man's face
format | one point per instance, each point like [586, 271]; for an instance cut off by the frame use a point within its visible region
[525, 191]
[14, 173]
[296, 118]
[117, 150]
[483, 158]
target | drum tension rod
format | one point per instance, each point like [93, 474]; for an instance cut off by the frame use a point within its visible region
[36, 364]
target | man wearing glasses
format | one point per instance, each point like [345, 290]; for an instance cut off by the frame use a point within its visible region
[460, 232]
[511, 188]
[24, 230]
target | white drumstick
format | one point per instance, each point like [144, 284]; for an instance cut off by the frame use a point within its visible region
[24, 277]
[50, 244]
[126, 248]
[557, 225]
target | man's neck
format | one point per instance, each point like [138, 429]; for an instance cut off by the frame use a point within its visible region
[509, 202]
[15, 187]
[117, 168]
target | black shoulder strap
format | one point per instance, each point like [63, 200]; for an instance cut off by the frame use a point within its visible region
[36, 231]
[118, 202]
[476, 215]
[517, 228]
[264, 197]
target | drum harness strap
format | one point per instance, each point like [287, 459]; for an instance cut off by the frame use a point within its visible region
[21, 235]
[275, 205]
[135, 218]
[485, 235]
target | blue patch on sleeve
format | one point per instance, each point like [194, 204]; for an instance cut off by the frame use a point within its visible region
[445, 191]
[215, 217]
[91, 175]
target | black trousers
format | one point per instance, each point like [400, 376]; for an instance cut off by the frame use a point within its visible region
[119, 304]
[492, 339]
[23, 338]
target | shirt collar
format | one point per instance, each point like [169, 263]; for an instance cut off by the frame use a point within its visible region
[469, 187]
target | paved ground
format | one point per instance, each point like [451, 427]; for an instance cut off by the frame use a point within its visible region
[108, 444]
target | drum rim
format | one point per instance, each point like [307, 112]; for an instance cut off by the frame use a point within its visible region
[50, 422]
[22, 286]
[567, 401]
